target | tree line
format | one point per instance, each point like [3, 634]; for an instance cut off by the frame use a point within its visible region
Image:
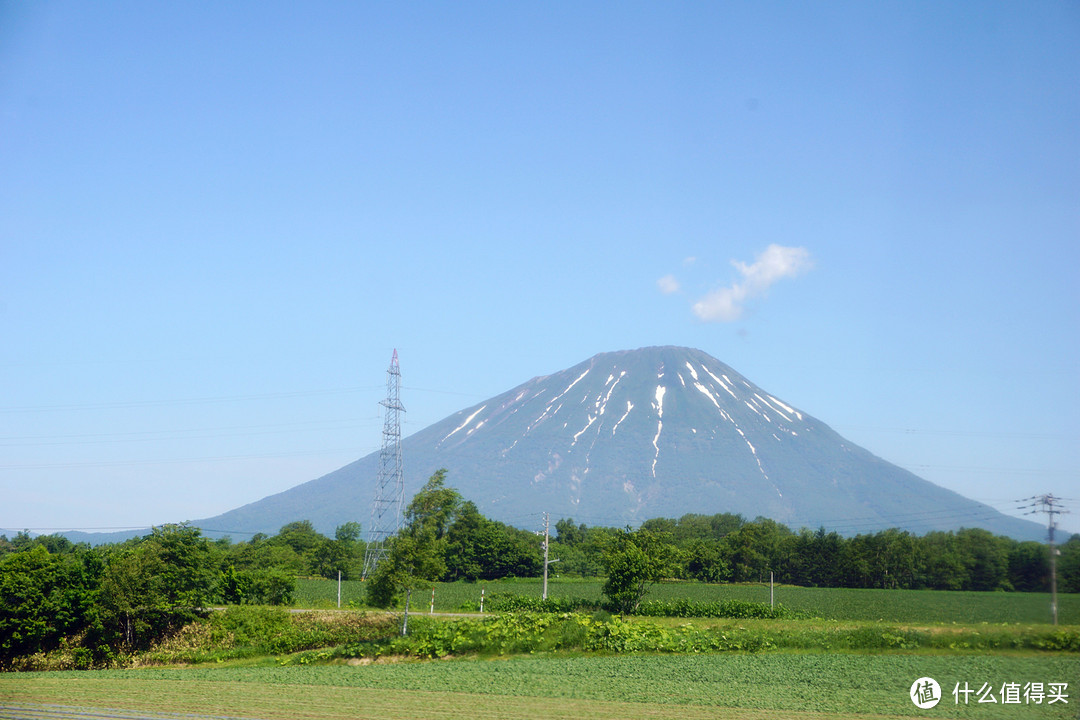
[119, 598]
[445, 538]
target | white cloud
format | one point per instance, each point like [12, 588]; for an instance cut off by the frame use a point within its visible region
[668, 284]
[777, 262]
[723, 305]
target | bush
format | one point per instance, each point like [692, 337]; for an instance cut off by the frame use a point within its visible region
[528, 632]
[509, 602]
[734, 609]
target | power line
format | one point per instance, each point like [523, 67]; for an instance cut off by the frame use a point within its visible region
[983, 470]
[187, 434]
[441, 392]
[182, 401]
[956, 433]
[173, 461]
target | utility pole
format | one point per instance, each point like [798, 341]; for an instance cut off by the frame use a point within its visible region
[1051, 506]
[547, 538]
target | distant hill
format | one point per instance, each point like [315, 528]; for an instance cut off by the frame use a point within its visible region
[627, 436]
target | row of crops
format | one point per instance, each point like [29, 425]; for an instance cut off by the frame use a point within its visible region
[917, 606]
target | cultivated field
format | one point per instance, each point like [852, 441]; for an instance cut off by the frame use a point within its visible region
[828, 685]
[918, 606]
[858, 659]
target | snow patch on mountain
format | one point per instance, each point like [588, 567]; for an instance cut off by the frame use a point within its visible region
[610, 390]
[786, 407]
[705, 391]
[763, 415]
[773, 408]
[592, 419]
[629, 407]
[462, 425]
[660, 391]
[571, 385]
[722, 383]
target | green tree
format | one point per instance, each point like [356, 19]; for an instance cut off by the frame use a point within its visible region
[132, 596]
[574, 561]
[300, 536]
[256, 586]
[580, 548]
[986, 558]
[344, 554]
[312, 548]
[156, 584]
[942, 567]
[570, 534]
[812, 558]
[433, 508]
[1068, 565]
[6, 546]
[754, 549]
[267, 554]
[661, 526]
[350, 549]
[704, 561]
[471, 545]
[483, 549]
[634, 561]
[418, 553]
[1029, 567]
[44, 597]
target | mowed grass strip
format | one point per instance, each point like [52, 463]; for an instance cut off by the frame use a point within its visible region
[716, 686]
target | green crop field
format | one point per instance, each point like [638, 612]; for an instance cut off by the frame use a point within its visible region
[916, 606]
[731, 685]
[852, 654]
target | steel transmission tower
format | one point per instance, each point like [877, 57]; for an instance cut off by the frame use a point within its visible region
[386, 510]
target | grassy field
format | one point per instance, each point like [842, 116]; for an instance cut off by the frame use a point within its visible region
[858, 660]
[917, 606]
[735, 685]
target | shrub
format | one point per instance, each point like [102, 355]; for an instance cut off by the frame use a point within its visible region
[509, 602]
[735, 609]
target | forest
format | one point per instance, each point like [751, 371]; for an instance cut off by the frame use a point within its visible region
[117, 598]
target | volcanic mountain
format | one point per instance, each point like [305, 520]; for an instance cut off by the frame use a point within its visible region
[627, 436]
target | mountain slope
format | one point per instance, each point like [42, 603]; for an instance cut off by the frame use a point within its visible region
[626, 436]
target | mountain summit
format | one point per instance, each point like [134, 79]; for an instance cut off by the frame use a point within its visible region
[627, 436]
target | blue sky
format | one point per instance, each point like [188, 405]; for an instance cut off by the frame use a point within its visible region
[218, 220]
